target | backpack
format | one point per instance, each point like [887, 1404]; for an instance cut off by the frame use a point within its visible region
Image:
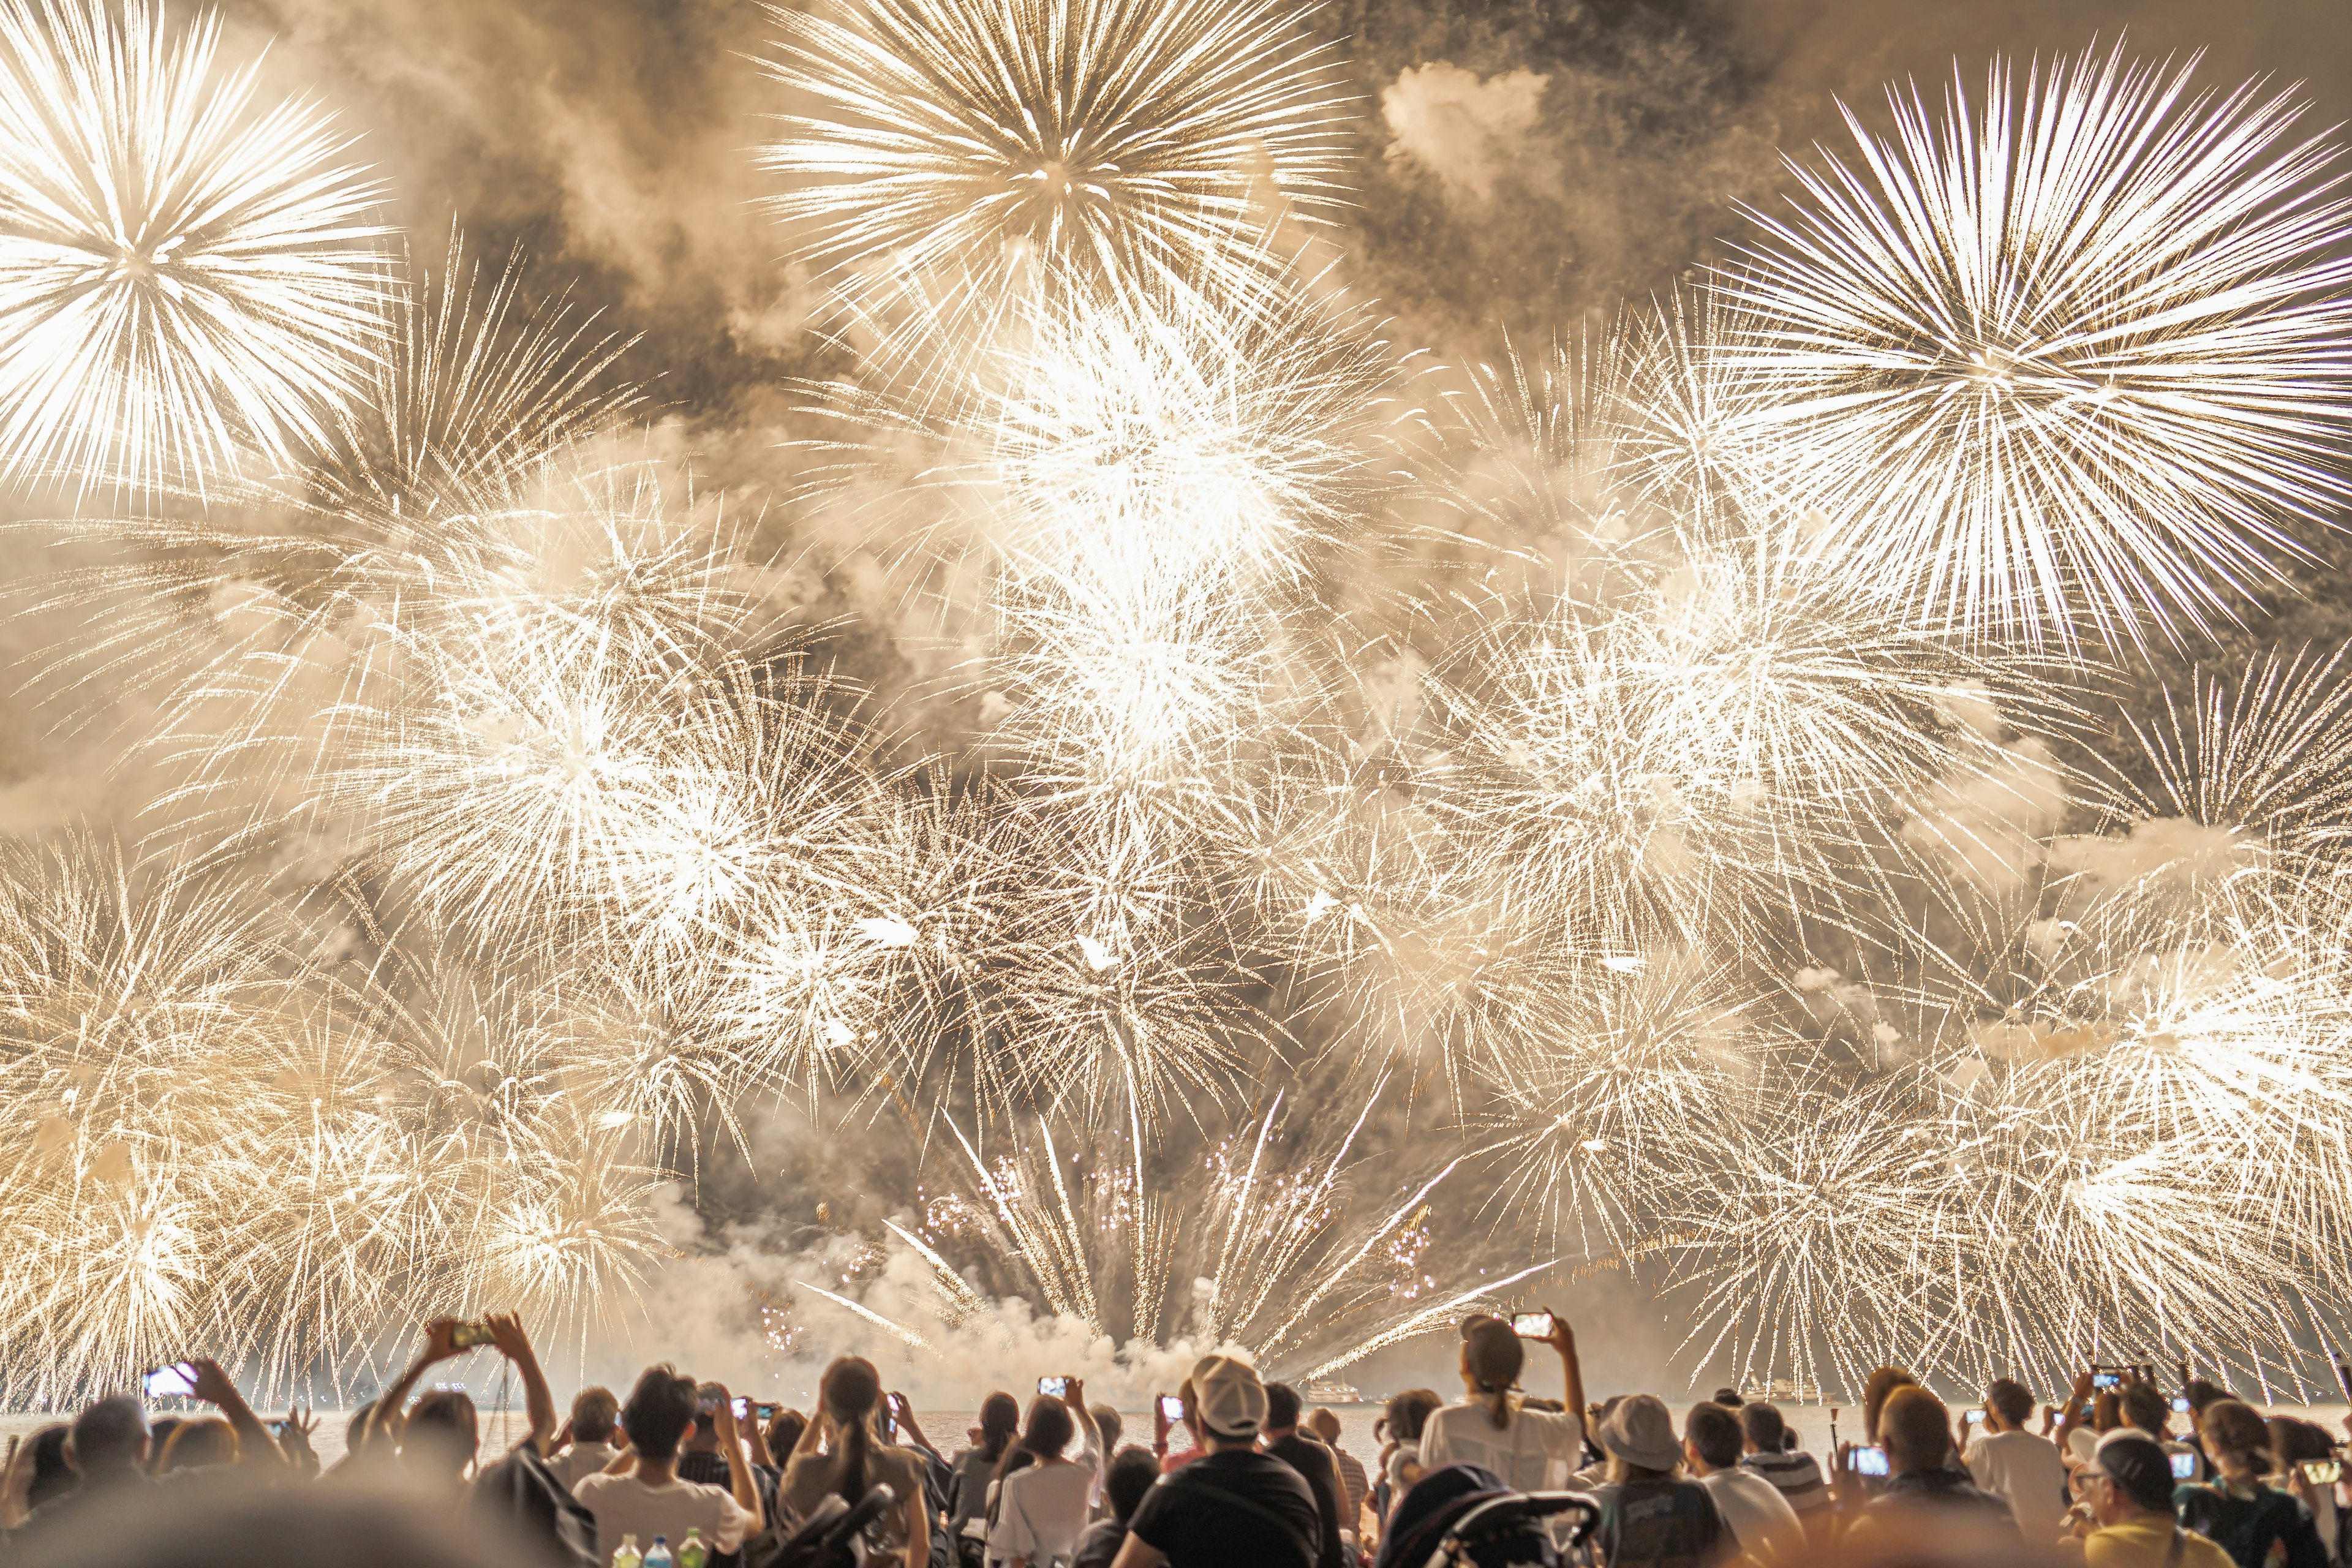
[528, 1498]
[834, 1536]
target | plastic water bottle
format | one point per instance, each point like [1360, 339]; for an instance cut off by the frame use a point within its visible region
[693, 1551]
[659, 1556]
[629, 1556]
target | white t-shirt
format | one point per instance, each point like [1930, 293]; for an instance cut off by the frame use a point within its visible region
[624, 1505]
[1536, 1452]
[2024, 1471]
[1042, 1512]
[1760, 1519]
[582, 1459]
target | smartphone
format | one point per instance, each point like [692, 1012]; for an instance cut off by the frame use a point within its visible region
[707, 1403]
[1971, 1419]
[1053, 1387]
[466, 1336]
[1870, 1461]
[2323, 1472]
[767, 1412]
[1532, 1325]
[2180, 1405]
[742, 1408]
[897, 1403]
[1171, 1409]
[2184, 1465]
[177, 1381]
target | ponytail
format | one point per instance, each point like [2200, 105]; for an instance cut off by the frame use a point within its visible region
[851, 1390]
[1498, 1407]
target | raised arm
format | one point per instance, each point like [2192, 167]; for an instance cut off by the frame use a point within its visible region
[392, 1404]
[738, 1462]
[507, 1333]
[254, 1443]
[1572, 1371]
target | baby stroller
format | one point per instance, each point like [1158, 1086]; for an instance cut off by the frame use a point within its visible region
[1460, 1516]
[834, 1537]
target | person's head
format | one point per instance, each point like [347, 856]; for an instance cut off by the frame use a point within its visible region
[1282, 1409]
[1000, 1423]
[53, 1474]
[1324, 1422]
[443, 1432]
[784, 1429]
[2201, 1393]
[2294, 1442]
[1728, 1398]
[1131, 1473]
[109, 1438]
[1763, 1428]
[658, 1413]
[704, 1438]
[1229, 1400]
[1048, 1429]
[1712, 1438]
[2143, 1405]
[1491, 1358]
[2236, 1440]
[1408, 1412]
[1917, 1431]
[2128, 1477]
[193, 1445]
[2009, 1404]
[594, 1413]
[1638, 1436]
[1881, 1383]
[1108, 1426]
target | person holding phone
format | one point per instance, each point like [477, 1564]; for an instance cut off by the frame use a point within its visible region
[1923, 1492]
[1532, 1450]
[2257, 1524]
[702, 1457]
[1043, 1497]
[839, 1456]
[2022, 1468]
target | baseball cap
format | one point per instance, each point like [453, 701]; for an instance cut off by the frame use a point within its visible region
[1228, 1396]
[2139, 1467]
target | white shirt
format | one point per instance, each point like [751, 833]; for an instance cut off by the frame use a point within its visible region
[1042, 1512]
[2024, 1471]
[1760, 1519]
[1536, 1452]
[582, 1459]
[624, 1505]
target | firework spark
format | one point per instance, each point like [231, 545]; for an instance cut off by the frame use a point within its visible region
[2076, 362]
[186, 271]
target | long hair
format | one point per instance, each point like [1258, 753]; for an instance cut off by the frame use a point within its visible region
[851, 1390]
[1000, 1423]
[2234, 1432]
[1049, 1429]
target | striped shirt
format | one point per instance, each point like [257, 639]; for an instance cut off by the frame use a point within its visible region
[1795, 1476]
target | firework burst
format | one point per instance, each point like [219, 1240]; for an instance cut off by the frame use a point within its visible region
[186, 271]
[2077, 361]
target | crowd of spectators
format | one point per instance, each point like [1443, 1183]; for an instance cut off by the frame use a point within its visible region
[1240, 1473]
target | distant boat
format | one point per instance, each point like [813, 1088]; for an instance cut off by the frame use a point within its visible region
[1782, 1388]
[1333, 1393]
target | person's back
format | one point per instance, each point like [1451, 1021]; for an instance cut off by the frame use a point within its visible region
[1308, 1455]
[1533, 1451]
[1228, 1508]
[1129, 1478]
[1659, 1521]
[1758, 1516]
[2150, 1543]
[107, 1448]
[1233, 1507]
[648, 1499]
[1765, 1452]
[2257, 1526]
[2025, 1470]
[594, 1412]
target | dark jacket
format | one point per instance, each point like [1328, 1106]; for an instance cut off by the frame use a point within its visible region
[1311, 1459]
